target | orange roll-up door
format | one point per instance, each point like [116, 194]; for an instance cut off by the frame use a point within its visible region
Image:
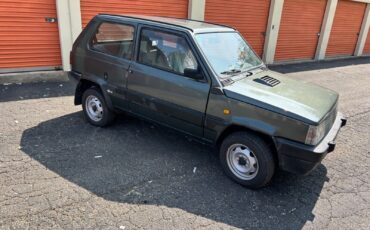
[346, 27]
[300, 25]
[169, 8]
[248, 16]
[367, 45]
[27, 40]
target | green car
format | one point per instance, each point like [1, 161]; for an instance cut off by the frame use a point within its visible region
[204, 80]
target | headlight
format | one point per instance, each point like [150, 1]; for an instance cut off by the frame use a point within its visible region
[315, 134]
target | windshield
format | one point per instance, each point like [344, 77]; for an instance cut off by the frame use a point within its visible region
[227, 53]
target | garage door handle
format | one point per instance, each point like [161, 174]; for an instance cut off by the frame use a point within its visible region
[50, 19]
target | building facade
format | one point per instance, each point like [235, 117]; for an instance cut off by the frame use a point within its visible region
[38, 34]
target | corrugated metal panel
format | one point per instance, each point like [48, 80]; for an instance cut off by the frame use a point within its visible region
[346, 27]
[367, 45]
[26, 40]
[169, 8]
[300, 23]
[248, 16]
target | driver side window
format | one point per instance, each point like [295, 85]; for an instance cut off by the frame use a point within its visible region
[166, 51]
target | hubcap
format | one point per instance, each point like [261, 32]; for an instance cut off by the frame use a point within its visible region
[242, 161]
[94, 108]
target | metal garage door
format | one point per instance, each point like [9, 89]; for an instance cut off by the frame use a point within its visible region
[249, 17]
[27, 40]
[346, 28]
[300, 25]
[170, 8]
[367, 45]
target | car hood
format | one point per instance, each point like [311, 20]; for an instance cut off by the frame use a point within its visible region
[300, 100]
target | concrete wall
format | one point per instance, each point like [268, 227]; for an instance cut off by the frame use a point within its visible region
[70, 26]
[272, 31]
[197, 9]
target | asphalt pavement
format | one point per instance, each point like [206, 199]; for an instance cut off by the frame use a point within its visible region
[59, 172]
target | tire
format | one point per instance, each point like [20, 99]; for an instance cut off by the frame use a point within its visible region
[93, 99]
[247, 159]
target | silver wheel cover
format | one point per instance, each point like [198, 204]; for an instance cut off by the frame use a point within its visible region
[94, 108]
[242, 162]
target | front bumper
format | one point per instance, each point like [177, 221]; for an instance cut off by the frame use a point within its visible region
[300, 158]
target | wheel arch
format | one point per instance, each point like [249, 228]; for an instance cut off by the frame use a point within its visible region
[269, 139]
[85, 84]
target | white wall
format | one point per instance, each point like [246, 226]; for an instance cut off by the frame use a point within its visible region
[70, 26]
[196, 9]
[272, 31]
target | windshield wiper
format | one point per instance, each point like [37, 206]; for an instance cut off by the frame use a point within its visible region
[249, 73]
[231, 71]
[254, 67]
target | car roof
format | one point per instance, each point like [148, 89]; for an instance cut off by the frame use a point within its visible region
[192, 25]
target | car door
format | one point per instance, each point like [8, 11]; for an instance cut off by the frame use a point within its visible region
[108, 59]
[157, 87]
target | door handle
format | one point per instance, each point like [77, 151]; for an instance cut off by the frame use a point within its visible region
[105, 75]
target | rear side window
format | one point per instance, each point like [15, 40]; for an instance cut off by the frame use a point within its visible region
[114, 39]
[166, 51]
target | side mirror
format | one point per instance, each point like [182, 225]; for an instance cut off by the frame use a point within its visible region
[193, 73]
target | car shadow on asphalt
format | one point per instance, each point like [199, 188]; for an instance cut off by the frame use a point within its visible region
[136, 162]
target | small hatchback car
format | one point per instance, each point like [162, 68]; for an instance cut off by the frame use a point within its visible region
[204, 80]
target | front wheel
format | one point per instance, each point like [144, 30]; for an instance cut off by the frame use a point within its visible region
[247, 159]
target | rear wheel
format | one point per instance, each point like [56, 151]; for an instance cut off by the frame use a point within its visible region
[247, 159]
[95, 108]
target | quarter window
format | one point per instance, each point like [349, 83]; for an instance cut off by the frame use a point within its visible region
[166, 51]
[114, 39]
